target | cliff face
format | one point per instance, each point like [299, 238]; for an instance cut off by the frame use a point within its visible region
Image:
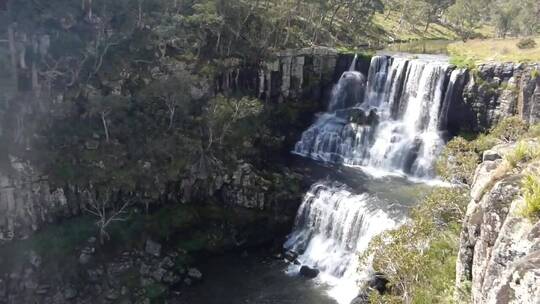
[499, 254]
[291, 75]
[498, 90]
[28, 200]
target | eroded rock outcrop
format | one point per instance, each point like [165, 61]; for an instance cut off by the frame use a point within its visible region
[499, 254]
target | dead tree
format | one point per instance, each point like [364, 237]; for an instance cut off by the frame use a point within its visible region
[106, 213]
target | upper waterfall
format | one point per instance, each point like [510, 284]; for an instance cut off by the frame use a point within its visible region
[394, 121]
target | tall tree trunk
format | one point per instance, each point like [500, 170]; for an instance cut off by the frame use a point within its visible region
[338, 7]
[428, 22]
[35, 79]
[13, 53]
[172, 109]
[105, 127]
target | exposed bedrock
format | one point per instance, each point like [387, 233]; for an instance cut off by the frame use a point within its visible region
[497, 90]
[499, 251]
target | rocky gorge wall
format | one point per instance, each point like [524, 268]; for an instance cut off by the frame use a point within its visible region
[487, 94]
[499, 250]
[28, 201]
[493, 91]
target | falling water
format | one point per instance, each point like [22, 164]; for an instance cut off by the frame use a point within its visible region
[395, 122]
[392, 122]
[331, 226]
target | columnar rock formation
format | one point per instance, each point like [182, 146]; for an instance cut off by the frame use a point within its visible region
[292, 74]
[497, 90]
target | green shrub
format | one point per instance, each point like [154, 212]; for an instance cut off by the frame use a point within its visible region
[535, 74]
[419, 257]
[526, 43]
[510, 129]
[155, 292]
[534, 131]
[484, 142]
[458, 161]
[531, 195]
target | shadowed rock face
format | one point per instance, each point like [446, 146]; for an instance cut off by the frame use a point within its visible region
[499, 248]
[498, 90]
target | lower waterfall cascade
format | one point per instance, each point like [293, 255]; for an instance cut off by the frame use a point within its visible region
[331, 226]
[392, 122]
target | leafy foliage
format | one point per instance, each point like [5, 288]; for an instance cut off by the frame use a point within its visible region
[510, 129]
[458, 161]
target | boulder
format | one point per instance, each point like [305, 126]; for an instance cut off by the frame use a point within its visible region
[34, 259]
[379, 283]
[308, 272]
[290, 256]
[491, 155]
[158, 274]
[70, 293]
[152, 248]
[362, 298]
[84, 258]
[195, 274]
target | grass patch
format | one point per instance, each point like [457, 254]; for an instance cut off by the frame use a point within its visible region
[531, 196]
[510, 129]
[483, 50]
[463, 62]
[519, 154]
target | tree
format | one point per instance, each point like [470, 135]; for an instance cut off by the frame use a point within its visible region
[103, 106]
[433, 10]
[465, 15]
[107, 211]
[174, 93]
[223, 112]
[504, 15]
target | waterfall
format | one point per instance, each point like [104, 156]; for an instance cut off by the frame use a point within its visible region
[331, 227]
[393, 121]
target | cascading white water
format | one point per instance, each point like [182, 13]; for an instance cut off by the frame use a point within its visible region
[396, 125]
[331, 227]
[394, 122]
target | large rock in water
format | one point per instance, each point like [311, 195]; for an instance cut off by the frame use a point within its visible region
[308, 272]
[499, 254]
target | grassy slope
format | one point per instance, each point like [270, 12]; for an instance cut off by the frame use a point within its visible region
[495, 50]
[387, 26]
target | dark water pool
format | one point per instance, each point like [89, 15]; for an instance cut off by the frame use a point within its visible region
[253, 279]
